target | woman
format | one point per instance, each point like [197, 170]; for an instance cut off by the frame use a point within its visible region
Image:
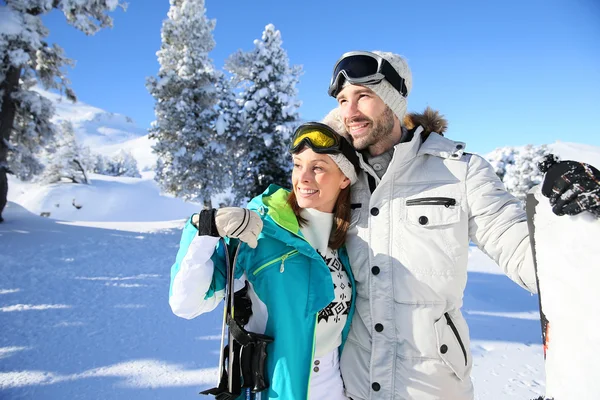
[292, 256]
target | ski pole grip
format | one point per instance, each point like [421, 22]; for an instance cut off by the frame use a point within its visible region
[258, 367]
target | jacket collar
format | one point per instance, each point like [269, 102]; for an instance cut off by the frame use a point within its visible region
[434, 145]
[273, 203]
[437, 145]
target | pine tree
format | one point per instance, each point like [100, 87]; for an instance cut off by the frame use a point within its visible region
[500, 159]
[270, 113]
[524, 174]
[100, 164]
[68, 159]
[122, 164]
[27, 59]
[229, 124]
[190, 154]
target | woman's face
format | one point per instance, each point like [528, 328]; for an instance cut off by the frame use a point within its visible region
[317, 180]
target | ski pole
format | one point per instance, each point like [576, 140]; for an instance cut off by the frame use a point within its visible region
[230, 278]
[223, 327]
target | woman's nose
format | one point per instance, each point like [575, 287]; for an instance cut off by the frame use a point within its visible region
[306, 175]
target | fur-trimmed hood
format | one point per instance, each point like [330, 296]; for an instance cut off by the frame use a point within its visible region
[431, 120]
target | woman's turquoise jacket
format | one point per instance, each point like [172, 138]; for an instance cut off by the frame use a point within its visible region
[291, 281]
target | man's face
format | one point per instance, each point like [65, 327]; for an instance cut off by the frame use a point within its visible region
[366, 117]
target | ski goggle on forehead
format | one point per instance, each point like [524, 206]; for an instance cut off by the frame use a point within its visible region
[323, 140]
[363, 67]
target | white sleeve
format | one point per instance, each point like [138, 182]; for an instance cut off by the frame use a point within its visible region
[498, 223]
[192, 281]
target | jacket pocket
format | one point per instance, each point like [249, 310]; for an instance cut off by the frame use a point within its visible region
[279, 261]
[355, 210]
[432, 211]
[442, 201]
[451, 347]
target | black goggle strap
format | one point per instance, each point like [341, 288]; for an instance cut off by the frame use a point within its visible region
[394, 78]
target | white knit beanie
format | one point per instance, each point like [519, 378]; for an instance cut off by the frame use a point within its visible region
[386, 92]
[345, 166]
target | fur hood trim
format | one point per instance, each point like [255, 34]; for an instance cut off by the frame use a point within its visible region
[430, 120]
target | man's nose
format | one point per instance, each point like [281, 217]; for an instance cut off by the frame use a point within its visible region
[350, 109]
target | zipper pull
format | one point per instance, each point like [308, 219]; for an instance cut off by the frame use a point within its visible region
[282, 268]
[450, 202]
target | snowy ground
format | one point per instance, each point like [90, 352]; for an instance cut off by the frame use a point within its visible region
[84, 293]
[84, 311]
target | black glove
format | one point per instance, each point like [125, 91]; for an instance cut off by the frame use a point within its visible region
[571, 186]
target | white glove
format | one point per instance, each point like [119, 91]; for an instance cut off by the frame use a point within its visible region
[241, 223]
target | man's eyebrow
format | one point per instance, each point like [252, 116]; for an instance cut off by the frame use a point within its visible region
[363, 90]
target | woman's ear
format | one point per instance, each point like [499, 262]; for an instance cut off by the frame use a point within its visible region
[345, 183]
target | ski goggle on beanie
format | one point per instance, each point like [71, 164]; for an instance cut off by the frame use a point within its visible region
[324, 140]
[364, 67]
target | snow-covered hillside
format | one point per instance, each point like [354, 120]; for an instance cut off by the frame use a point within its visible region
[106, 198]
[104, 132]
[84, 291]
[84, 310]
[93, 126]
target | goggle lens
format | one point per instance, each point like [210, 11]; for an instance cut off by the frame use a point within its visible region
[318, 140]
[357, 66]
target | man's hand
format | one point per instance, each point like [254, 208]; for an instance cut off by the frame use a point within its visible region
[571, 186]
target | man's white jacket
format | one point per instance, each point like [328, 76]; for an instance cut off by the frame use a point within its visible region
[408, 245]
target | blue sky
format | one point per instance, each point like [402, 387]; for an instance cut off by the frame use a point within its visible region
[508, 72]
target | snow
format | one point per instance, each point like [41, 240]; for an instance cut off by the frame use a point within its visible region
[94, 127]
[565, 263]
[122, 199]
[84, 301]
[577, 151]
[10, 23]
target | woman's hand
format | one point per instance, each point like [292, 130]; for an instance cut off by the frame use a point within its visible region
[241, 223]
[233, 222]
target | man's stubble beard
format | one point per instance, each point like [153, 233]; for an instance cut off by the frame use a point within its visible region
[381, 128]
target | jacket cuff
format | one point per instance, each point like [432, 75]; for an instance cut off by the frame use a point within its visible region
[206, 223]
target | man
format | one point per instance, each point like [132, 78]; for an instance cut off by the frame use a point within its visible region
[416, 205]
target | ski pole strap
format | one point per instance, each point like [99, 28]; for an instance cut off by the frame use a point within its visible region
[248, 367]
[221, 392]
[243, 337]
[246, 352]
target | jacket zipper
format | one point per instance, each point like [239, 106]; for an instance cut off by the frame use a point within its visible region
[282, 259]
[433, 201]
[453, 327]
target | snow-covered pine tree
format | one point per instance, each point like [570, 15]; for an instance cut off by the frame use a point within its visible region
[228, 124]
[270, 113]
[122, 164]
[523, 174]
[500, 159]
[67, 159]
[190, 154]
[100, 164]
[26, 59]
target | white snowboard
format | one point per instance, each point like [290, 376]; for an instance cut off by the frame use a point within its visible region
[567, 251]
